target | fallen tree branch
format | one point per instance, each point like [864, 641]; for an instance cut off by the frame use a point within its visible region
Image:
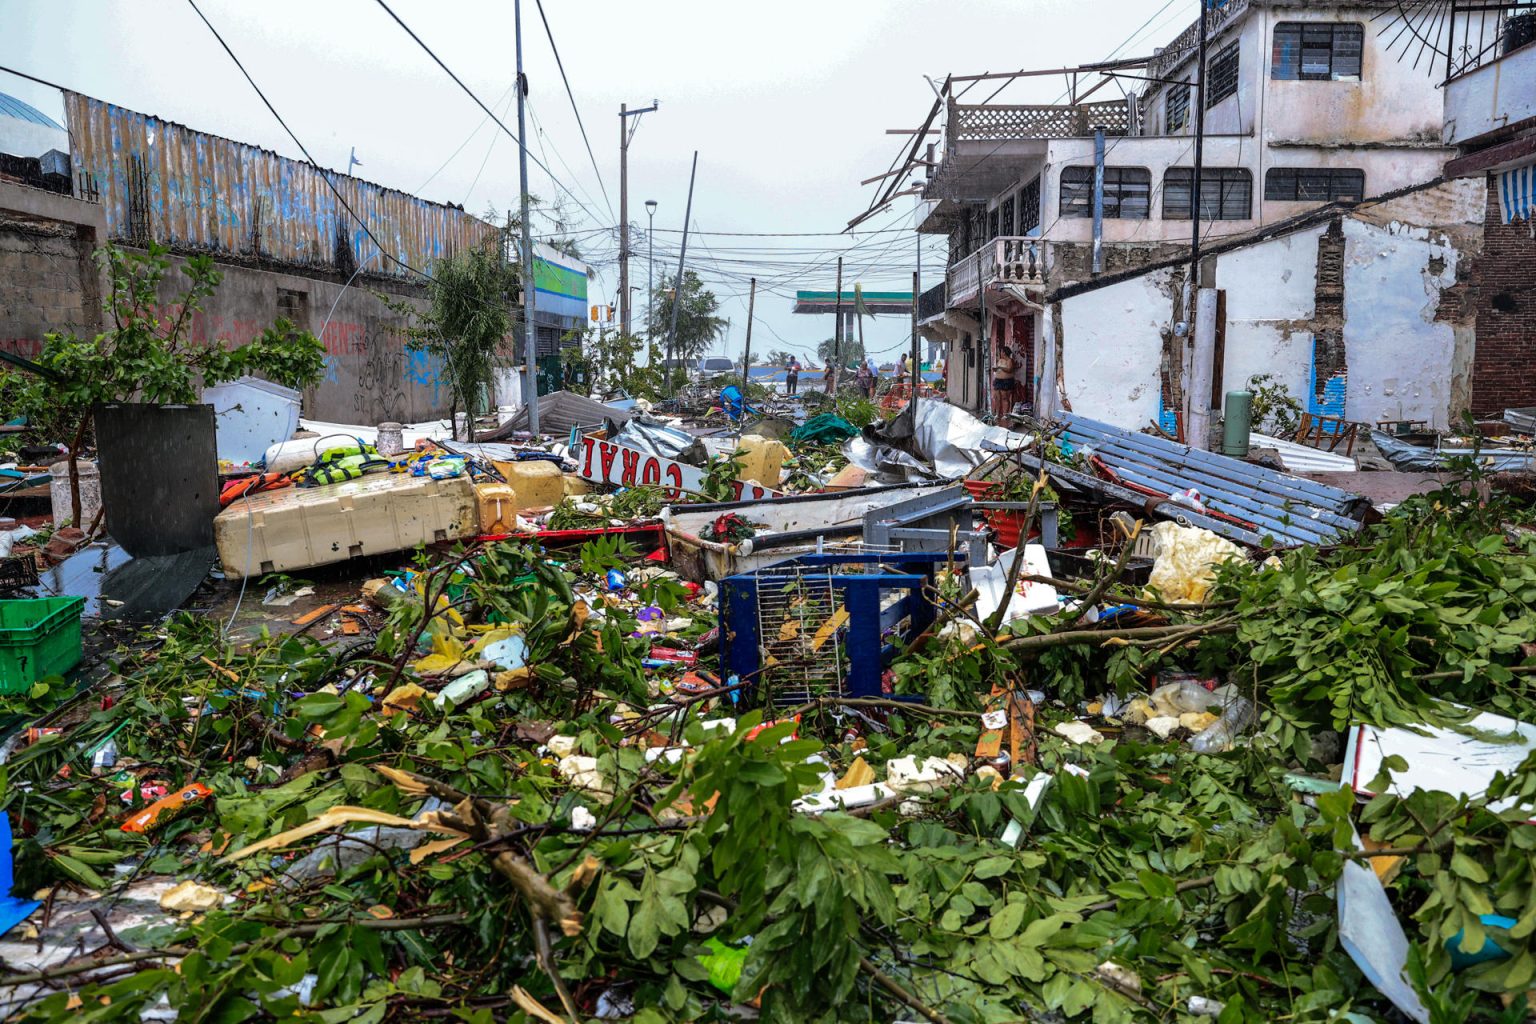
[895, 988]
[1099, 636]
[309, 928]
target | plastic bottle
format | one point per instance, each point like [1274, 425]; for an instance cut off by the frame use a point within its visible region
[1235, 719]
[1181, 693]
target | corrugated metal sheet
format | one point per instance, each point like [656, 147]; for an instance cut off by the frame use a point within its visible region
[163, 181]
[1249, 504]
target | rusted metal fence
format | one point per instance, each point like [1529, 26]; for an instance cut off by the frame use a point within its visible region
[161, 181]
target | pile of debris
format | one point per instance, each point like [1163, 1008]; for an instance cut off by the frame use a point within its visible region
[1035, 726]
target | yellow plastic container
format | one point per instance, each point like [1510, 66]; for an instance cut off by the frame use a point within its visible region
[763, 460]
[537, 484]
[498, 507]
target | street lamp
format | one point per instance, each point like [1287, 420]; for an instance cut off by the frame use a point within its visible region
[650, 268]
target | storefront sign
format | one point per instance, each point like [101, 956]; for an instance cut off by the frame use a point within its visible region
[609, 463]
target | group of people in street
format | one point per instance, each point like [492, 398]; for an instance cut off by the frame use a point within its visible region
[1005, 384]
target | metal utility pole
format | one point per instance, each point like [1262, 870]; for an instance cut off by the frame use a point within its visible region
[530, 346]
[1194, 245]
[830, 380]
[677, 283]
[624, 135]
[746, 353]
[917, 366]
[650, 273]
[1198, 395]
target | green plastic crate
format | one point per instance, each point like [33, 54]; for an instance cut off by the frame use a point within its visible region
[38, 639]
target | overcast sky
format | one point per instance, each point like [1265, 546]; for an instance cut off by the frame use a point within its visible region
[787, 104]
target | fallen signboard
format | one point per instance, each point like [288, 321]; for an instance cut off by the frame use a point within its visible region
[608, 462]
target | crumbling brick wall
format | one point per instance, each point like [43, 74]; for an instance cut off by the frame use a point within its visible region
[1504, 362]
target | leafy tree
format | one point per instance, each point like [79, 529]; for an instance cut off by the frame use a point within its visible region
[471, 298]
[778, 357]
[612, 359]
[146, 354]
[852, 352]
[697, 325]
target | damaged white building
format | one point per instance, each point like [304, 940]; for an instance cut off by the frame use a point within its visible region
[1337, 256]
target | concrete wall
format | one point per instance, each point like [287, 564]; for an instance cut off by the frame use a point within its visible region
[370, 377]
[1271, 292]
[1111, 349]
[1389, 321]
[1491, 98]
[48, 282]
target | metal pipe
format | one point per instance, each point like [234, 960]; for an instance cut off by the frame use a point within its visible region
[530, 346]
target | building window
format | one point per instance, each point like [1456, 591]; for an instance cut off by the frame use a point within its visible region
[1314, 184]
[1029, 207]
[293, 306]
[1009, 205]
[1178, 107]
[1221, 77]
[991, 225]
[1317, 52]
[1127, 192]
[1226, 193]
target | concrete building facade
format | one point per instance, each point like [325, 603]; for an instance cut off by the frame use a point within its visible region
[1372, 311]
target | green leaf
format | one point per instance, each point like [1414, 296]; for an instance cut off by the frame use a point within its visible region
[644, 930]
[79, 871]
[994, 867]
[1006, 922]
[1468, 868]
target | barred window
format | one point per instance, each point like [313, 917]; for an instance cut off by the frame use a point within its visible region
[1226, 193]
[1221, 76]
[1317, 52]
[1008, 207]
[1127, 192]
[1029, 207]
[1178, 107]
[1314, 184]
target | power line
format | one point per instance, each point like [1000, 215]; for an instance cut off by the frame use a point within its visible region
[303, 149]
[471, 94]
[574, 109]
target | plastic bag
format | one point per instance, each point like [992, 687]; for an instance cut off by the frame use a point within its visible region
[1186, 562]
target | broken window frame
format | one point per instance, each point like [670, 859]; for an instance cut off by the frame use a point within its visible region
[1124, 187]
[1221, 75]
[1328, 184]
[1226, 193]
[1313, 51]
[1176, 108]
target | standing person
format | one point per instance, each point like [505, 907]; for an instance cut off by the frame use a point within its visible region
[861, 378]
[1003, 383]
[792, 375]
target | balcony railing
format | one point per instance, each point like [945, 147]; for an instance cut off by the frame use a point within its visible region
[1222, 11]
[1004, 260]
[995, 121]
[931, 303]
[1483, 31]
